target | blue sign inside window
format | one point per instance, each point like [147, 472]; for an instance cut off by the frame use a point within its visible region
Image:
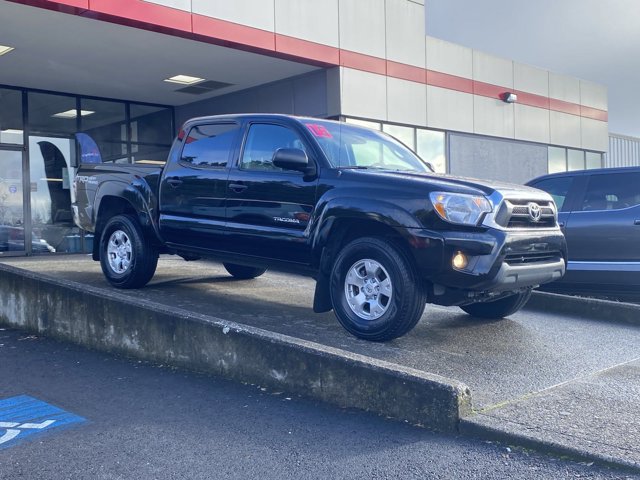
[25, 417]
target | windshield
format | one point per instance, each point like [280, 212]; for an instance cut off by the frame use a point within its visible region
[349, 146]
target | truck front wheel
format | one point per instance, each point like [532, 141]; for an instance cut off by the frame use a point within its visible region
[127, 257]
[498, 308]
[374, 290]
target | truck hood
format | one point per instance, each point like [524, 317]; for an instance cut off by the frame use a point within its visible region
[449, 183]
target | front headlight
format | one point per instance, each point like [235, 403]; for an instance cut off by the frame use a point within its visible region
[460, 208]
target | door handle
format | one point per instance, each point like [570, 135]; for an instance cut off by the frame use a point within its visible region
[561, 224]
[174, 181]
[636, 222]
[238, 187]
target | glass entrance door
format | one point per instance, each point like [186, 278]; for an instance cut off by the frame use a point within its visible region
[12, 227]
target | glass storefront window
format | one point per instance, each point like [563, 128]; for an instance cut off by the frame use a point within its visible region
[12, 232]
[575, 159]
[11, 129]
[151, 124]
[403, 134]
[52, 114]
[106, 125]
[431, 148]
[557, 160]
[593, 160]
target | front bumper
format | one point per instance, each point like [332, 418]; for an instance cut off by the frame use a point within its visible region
[499, 261]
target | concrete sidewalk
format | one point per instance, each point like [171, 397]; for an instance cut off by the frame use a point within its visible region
[556, 382]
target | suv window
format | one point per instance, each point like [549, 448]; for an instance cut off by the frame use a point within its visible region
[612, 191]
[558, 188]
[209, 145]
[262, 142]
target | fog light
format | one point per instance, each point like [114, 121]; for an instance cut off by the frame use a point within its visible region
[460, 261]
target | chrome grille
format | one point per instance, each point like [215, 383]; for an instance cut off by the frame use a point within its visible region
[526, 214]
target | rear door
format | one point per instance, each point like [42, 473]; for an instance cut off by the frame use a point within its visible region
[268, 209]
[194, 187]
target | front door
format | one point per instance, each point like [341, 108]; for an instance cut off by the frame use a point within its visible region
[268, 209]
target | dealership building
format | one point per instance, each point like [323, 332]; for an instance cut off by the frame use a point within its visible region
[127, 73]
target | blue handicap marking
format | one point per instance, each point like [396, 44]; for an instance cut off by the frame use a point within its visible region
[25, 417]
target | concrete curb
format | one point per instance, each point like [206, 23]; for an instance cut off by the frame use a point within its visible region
[135, 327]
[585, 307]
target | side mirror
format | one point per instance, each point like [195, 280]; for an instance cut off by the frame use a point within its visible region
[293, 159]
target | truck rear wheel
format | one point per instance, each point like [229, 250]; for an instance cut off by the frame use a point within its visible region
[498, 308]
[127, 257]
[374, 290]
[242, 272]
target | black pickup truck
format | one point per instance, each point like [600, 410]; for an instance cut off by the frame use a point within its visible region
[355, 209]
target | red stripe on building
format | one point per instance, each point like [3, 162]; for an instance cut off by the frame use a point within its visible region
[235, 33]
[532, 100]
[305, 49]
[406, 72]
[564, 107]
[360, 61]
[594, 113]
[450, 82]
[489, 90]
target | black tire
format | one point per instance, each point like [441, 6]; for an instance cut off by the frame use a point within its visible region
[394, 314]
[498, 308]
[131, 260]
[242, 272]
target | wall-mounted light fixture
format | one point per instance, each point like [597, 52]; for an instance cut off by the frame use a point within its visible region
[509, 97]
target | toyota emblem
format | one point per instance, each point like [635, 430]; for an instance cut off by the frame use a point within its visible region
[534, 211]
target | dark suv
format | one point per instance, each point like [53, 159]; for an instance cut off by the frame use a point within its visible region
[599, 213]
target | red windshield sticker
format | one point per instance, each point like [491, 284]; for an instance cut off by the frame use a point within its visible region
[319, 130]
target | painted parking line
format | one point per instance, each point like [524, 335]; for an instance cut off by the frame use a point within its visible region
[24, 417]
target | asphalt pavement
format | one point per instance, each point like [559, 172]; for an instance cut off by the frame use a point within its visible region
[148, 421]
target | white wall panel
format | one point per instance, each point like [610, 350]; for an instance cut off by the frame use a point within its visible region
[564, 88]
[309, 20]
[364, 94]
[405, 30]
[406, 102]
[491, 69]
[253, 13]
[595, 134]
[593, 95]
[530, 79]
[449, 110]
[447, 57]
[493, 117]
[532, 123]
[362, 26]
[179, 4]
[564, 129]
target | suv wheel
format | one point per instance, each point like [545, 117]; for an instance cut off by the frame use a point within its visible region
[498, 308]
[374, 290]
[127, 257]
[242, 272]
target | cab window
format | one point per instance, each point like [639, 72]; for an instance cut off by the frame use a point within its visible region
[262, 142]
[209, 145]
